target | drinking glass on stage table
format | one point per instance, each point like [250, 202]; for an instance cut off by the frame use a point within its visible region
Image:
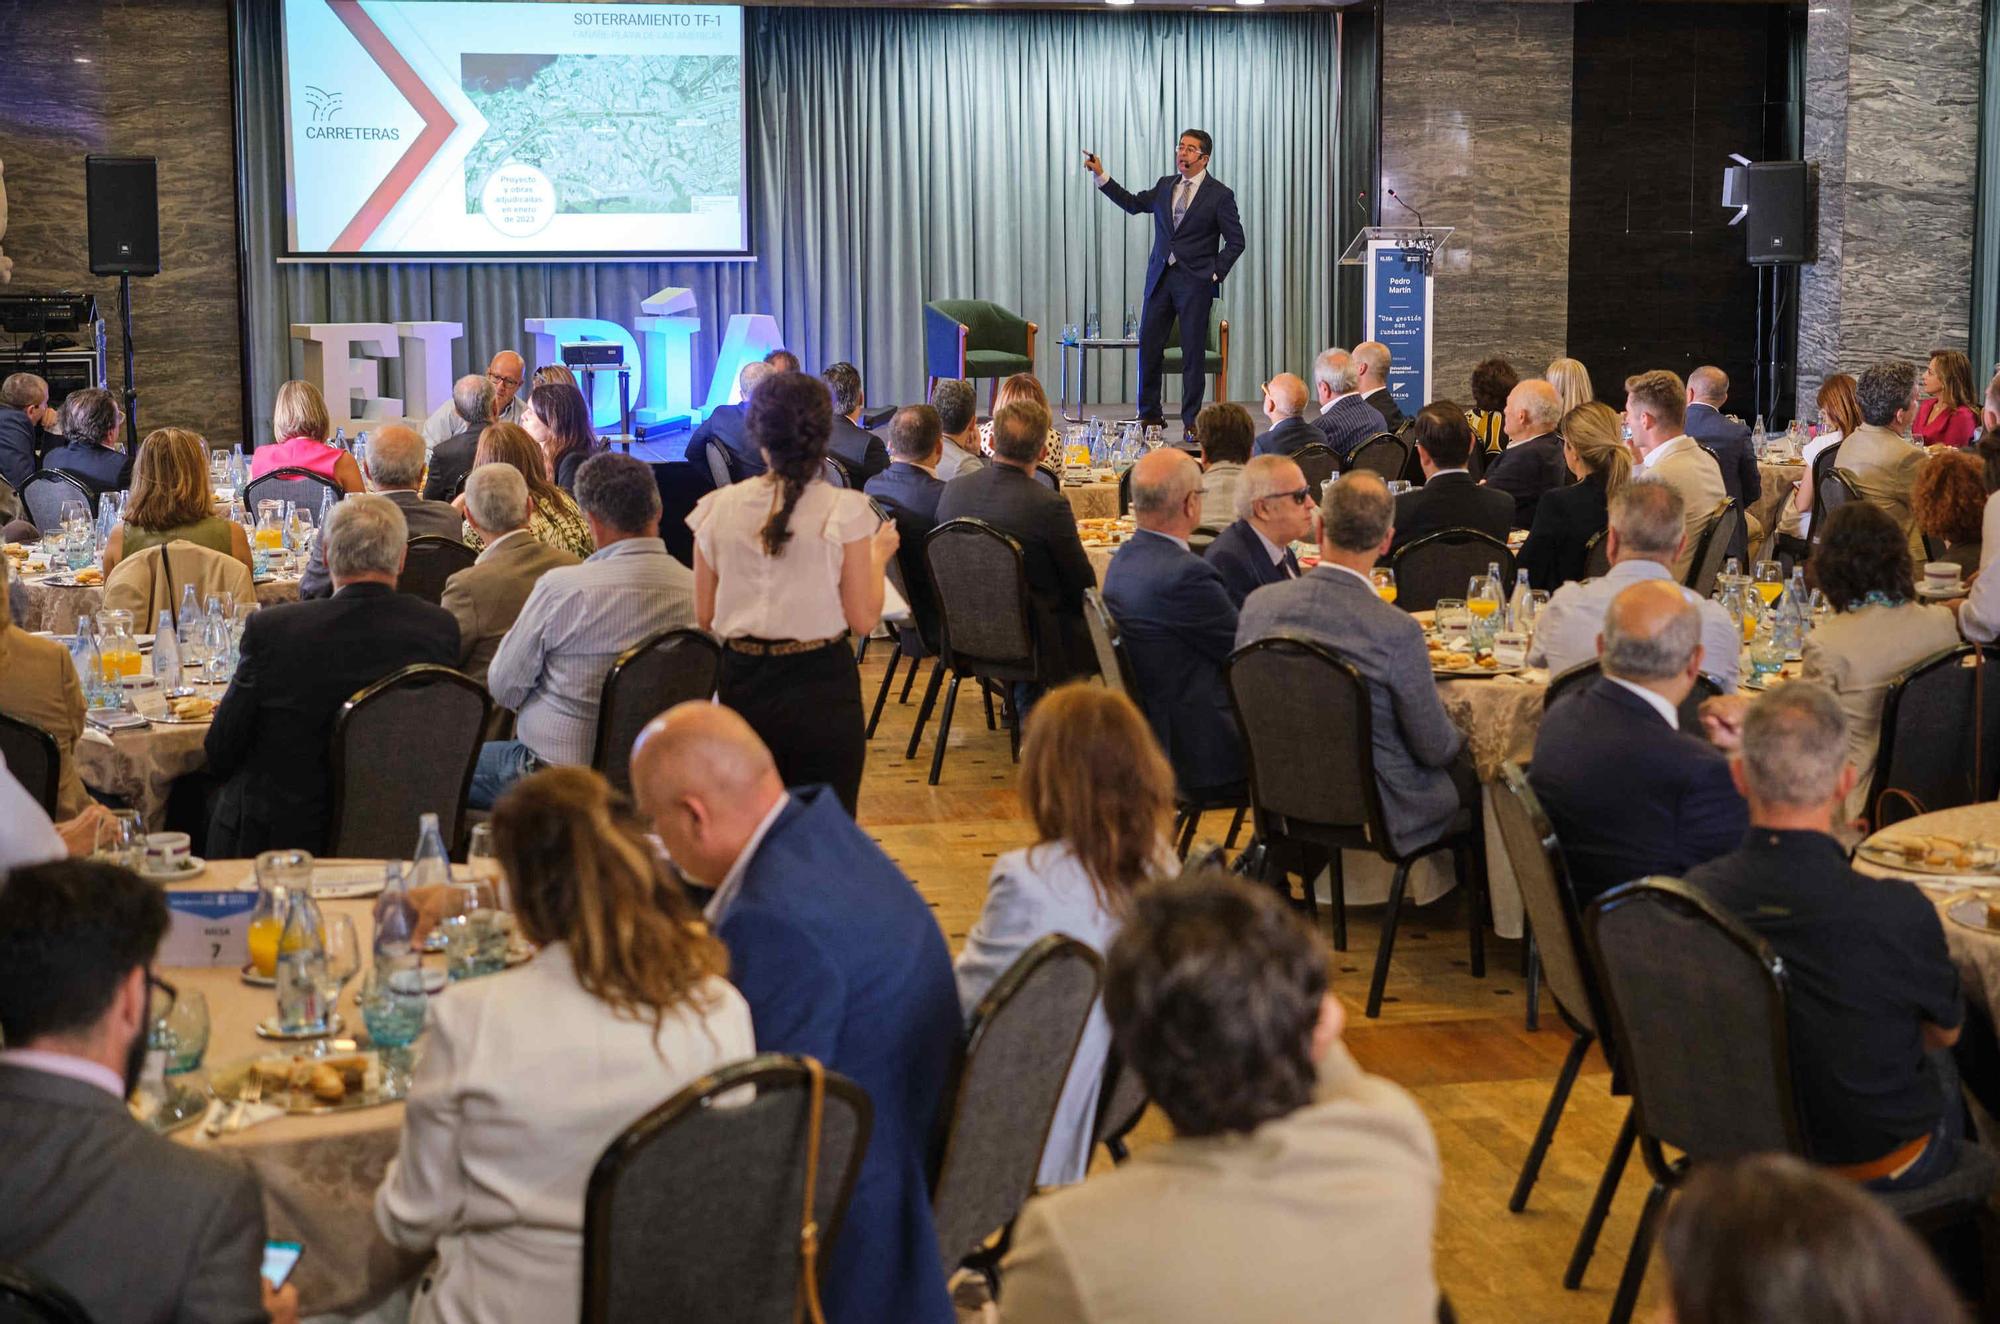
[1770, 581]
[1384, 580]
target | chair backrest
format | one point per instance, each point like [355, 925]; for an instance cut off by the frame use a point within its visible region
[1836, 488]
[835, 471]
[1318, 463]
[383, 780]
[1940, 742]
[26, 1298]
[430, 560]
[1121, 1100]
[674, 666]
[981, 584]
[153, 579]
[1308, 734]
[301, 486]
[1384, 453]
[34, 758]
[1019, 1042]
[1546, 895]
[1125, 491]
[1104, 638]
[1713, 547]
[699, 1203]
[1822, 465]
[46, 491]
[1697, 1009]
[1441, 564]
[719, 472]
[1049, 478]
[1570, 678]
[1597, 554]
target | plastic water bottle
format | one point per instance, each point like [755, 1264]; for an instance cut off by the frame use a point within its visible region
[301, 966]
[431, 865]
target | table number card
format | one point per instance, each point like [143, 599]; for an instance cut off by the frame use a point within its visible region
[209, 929]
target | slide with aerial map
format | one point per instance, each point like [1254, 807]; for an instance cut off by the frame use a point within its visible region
[417, 128]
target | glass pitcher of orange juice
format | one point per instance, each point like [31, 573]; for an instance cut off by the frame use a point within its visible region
[279, 874]
[270, 533]
[118, 647]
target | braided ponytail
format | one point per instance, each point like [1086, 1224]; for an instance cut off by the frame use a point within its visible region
[790, 418]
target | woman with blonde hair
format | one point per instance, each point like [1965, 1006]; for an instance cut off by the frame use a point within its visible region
[553, 516]
[1572, 382]
[527, 1076]
[1024, 386]
[1948, 414]
[171, 499]
[1101, 796]
[1567, 518]
[553, 373]
[301, 423]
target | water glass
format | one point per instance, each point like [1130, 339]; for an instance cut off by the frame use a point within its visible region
[1451, 616]
[343, 959]
[184, 1032]
[121, 839]
[475, 934]
[483, 863]
[392, 1007]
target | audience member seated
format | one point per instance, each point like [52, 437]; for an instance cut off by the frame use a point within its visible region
[1628, 792]
[1572, 382]
[861, 450]
[486, 597]
[1948, 414]
[506, 372]
[1871, 991]
[300, 661]
[1450, 498]
[839, 958]
[724, 427]
[28, 836]
[473, 400]
[1949, 504]
[1567, 518]
[1729, 442]
[1225, 435]
[1284, 401]
[1646, 532]
[1101, 799]
[25, 417]
[1345, 420]
[1771, 1237]
[1025, 388]
[1879, 454]
[1178, 625]
[525, 1081]
[1371, 376]
[77, 998]
[578, 619]
[93, 449]
[301, 424]
[1492, 380]
[786, 567]
[1007, 495]
[542, 376]
[555, 519]
[172, 501]
[393, 466]
[1421, 768]
[909, 490]
[957, 405]
[1295, 1186]
[558, 418]
[1655, 409]
[782, 360]
[1839, 416]
[1275, 509]
[1532, 464]
[39, 686]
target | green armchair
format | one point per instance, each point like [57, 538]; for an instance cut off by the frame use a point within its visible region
[974, 338]
[1217, 357]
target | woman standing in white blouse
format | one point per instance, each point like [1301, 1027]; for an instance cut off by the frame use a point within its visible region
[526, 1077]
[785, 566]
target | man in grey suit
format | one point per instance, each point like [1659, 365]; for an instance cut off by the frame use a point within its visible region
[136, 1228]
[487, 595]
[393, 467]
[1423, 775]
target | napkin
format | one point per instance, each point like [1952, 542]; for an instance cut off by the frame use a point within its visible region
[226, 1117]
[100, 737]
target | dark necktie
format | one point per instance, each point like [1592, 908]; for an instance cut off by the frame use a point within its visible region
[1291, 564]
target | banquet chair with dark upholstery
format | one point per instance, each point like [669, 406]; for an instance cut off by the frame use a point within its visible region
[34, 758]
[674, 666]
[27, 1298]
[1318, 463]
[300, 486]
[1666, 959]
[1384, 454]
[1712, 548]
[1835, 489]
[720, 471]
[835, 471]
[1940, 744]
[44, 493]
[1121, 1102]
[1441, 564]
[699, 1204]
[986, 623]
[1567, 680]
[912, 640]
[1308, 733]
[429, 561]
[1019, 1043]
[383, 780]
[1597, 555]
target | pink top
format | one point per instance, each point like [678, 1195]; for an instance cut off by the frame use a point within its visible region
[1934, 427]
[296, 453]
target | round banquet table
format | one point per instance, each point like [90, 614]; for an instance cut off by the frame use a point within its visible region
[318, 1174]
[1976, 953]
[141, 764]
[57, 609]
[1092, 500]
[1777, 480]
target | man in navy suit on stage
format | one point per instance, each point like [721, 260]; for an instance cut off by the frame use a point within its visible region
[1194, 216]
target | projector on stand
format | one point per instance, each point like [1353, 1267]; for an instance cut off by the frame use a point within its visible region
[587, 358]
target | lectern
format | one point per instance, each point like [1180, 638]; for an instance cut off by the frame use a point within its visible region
[1396, 301]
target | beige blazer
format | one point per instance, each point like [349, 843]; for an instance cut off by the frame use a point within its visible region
[139, 584]
[1324, 1215]
[1885, 467]
[1692, 472]
[39, 686]
[1857, 653]
[487, 595]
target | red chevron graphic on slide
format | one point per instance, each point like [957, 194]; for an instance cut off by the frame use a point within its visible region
[438, 126]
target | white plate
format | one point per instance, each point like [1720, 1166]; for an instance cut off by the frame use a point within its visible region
[1971, 913]
[154, 874]
[1938, 593]
[346, 882]
[1882, 849]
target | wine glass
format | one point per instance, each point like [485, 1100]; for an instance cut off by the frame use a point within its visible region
[482, 863]
[1384, 580]
[1482, 600]
[343, 958]
[1770, 581]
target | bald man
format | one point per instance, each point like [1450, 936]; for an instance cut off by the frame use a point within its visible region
[1178, 625]
[1371, 369]
[1284, 405]
[1629, 792]
[840, 959]
[392, 464]
[1729, 442]
[506, 371]
[1533, 461]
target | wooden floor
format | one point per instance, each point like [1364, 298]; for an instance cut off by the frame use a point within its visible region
[1457, 1043]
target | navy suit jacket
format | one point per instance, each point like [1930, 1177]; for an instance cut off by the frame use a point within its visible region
[1210, 238]
[1627, 794]
[99, 468]
[1051, 551]
[1524, 471]
[20, 442]
[911, 497]
[864, 452]
[1178, 625]
[841, 959]
[1730, 441]
[1238, 555]
[1287, 436]
[1348, 422]
[727, 425]
[1451, 501]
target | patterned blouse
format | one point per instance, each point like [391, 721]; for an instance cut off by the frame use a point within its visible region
[558, 526]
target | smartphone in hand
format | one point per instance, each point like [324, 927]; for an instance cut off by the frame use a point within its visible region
[280, 1258]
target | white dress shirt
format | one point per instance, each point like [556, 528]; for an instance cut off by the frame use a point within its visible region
[445, 422]
[796, 594]
[1567, 629]
[718, 905]
[26, 834]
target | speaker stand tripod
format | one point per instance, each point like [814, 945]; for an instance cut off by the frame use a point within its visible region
[131, 391]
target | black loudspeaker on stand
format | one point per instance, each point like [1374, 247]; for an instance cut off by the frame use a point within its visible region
[123, 204]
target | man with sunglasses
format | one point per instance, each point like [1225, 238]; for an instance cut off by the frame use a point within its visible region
[1275, 509]
[133, 1226]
